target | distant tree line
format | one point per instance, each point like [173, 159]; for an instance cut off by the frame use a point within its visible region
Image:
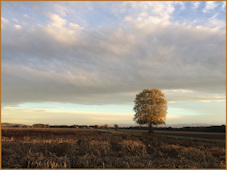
[194, 129]
[199, 129]
[106, 126]
[40, 126]
[17, 126]
[220, 129]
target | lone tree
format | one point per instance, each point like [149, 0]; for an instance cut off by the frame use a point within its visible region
[105, 126]
[151, 108]
[116, 127]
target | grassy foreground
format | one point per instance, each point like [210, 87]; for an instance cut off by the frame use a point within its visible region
[76, 148]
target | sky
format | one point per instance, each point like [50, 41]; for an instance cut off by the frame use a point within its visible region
[65, 63]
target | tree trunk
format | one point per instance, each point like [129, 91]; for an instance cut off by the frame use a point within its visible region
[150, 128]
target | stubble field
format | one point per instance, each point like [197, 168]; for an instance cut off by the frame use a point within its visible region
[91, 148]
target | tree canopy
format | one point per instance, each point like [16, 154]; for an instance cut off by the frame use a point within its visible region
[106, 126]
[116, 127]
[150, 108]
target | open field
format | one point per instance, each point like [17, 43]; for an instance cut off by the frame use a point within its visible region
[91, 148]
[201, 135]
[185, 134]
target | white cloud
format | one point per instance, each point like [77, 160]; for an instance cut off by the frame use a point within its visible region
[215, 23]
[61, 30]
[143, 10]
[61, 9]
[17, 26]
[209, 101]
[181, 4]
[15, 19]
[170, 117]
[5, 20]
[214, 16]
[57, 21]
[128, 18]
[210, 5]
[75, 26]
[223, 7]
[179, 95]
[195, 4]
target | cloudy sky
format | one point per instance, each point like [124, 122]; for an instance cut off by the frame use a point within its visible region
[84, 62]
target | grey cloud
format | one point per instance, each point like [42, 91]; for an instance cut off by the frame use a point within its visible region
[104, 66]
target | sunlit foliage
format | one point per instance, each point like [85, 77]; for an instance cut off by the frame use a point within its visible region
[150, 107]
[106, 126]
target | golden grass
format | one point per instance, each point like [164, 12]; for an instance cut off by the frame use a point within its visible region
[102, 149]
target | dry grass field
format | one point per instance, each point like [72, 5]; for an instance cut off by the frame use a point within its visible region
[91, 148]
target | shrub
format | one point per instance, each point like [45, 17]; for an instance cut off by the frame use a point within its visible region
[116, 127]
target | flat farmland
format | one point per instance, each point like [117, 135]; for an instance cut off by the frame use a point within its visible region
[210, 136]
[200, 135]
[99, 148]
